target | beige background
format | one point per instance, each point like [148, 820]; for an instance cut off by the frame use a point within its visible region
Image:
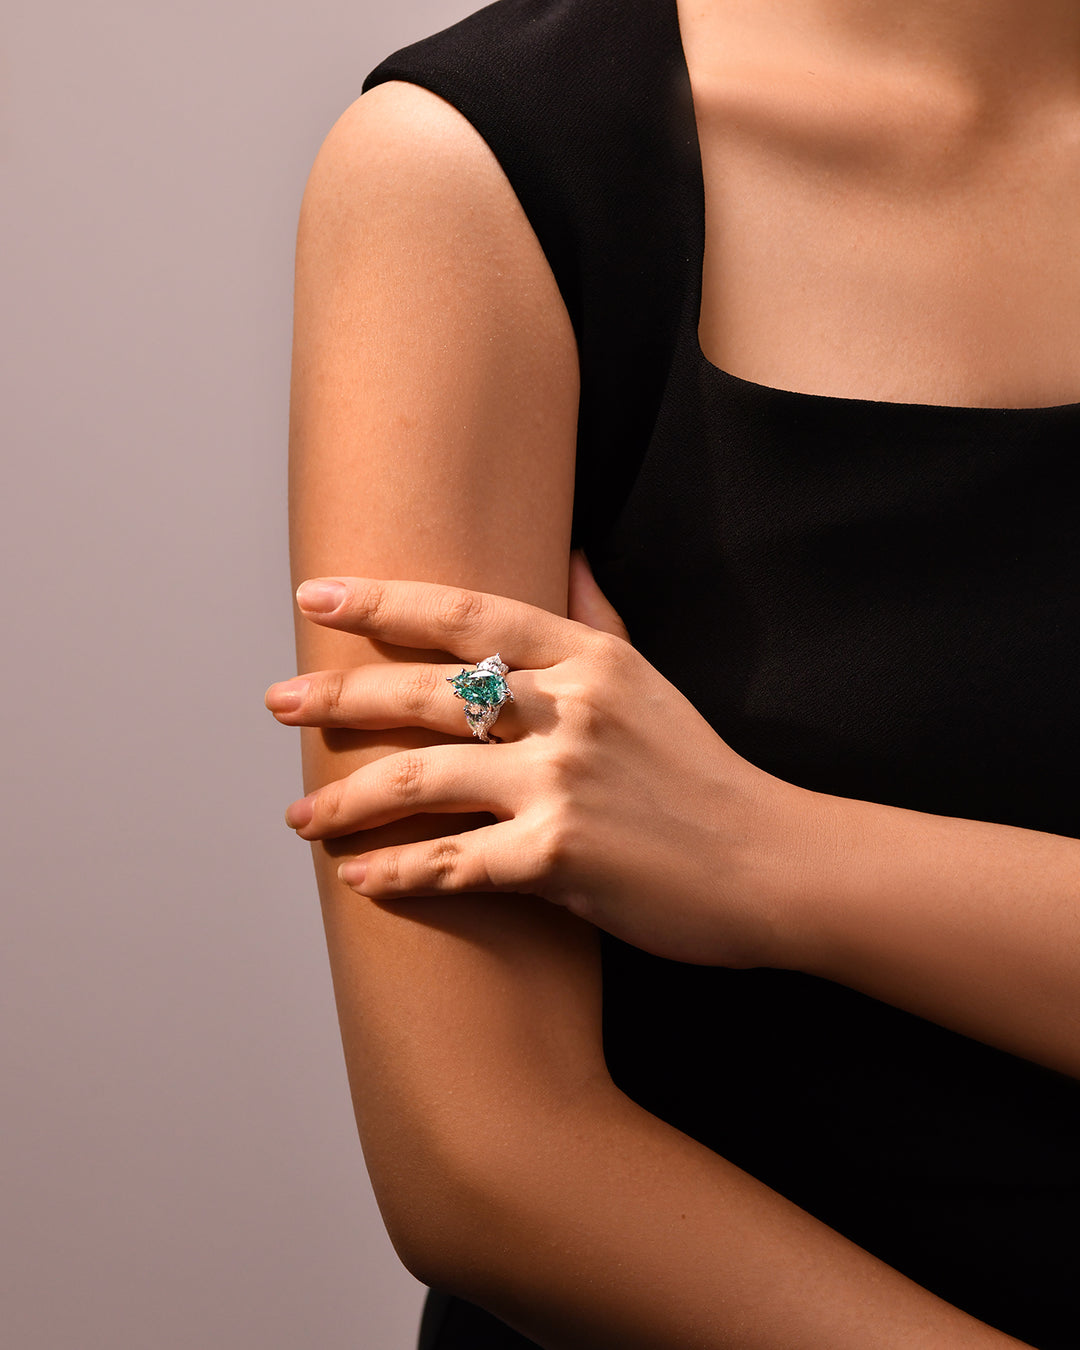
[179, 1162]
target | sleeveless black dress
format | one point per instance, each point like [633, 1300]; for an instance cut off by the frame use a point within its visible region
[871, 599]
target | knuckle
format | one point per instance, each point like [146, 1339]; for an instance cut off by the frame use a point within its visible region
[461, 611]
[404, 774]
[563, 763]
[390, 868]
[554, 846]
[329, 808]
[370, 601]
[442, 861]
[582, 703]
[332, 692]
[419, 692]
[612, 652]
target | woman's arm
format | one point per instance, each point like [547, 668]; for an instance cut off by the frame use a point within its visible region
[973, 925]
[433, 426]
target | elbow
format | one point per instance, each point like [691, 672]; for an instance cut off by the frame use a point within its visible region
[464, 1217]
[464, 1204]
[438, 1219]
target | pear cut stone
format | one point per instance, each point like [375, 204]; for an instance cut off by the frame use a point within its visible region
[481, 687]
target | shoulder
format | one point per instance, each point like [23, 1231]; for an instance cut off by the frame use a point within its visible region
[584, 105]
[401, 143]
[405, 185]
[417, 269]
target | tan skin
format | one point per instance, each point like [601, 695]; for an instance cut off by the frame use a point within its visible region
[892, 196]
[428, 329]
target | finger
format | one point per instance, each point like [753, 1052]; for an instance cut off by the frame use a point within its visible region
[385, 694]
[460, 778]
[470, 624]
[503, 857]
[588, 603]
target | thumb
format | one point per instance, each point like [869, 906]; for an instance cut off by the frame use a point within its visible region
[587, 603]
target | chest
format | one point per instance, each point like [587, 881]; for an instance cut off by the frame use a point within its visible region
[863, 262]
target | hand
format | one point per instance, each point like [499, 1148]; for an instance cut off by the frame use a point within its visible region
[612, 795]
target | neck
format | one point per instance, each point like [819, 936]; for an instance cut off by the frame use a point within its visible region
[997, 51]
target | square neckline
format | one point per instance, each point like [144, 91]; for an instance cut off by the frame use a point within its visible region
[698, 286]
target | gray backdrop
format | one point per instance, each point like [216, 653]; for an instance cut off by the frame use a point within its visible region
[179, 1162]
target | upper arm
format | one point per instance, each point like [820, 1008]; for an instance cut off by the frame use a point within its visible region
[432, 437]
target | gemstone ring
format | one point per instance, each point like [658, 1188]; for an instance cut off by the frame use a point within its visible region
[484, 691]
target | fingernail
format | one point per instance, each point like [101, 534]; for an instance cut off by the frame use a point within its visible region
[352, 873]
[299, 813]
[287, 696]
[320, 597]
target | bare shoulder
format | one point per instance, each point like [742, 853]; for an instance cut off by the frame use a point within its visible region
[415, 134]
[404, 164]
[419, 274]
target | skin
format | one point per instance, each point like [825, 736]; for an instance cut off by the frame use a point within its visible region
[428, 330]
[891, 196]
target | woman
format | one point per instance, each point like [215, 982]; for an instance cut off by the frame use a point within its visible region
[816, 826]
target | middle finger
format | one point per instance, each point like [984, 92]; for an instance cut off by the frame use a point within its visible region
[436, 778]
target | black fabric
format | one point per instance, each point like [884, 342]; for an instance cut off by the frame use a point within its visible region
[453, 1323]
[591, 117]
[871, 599]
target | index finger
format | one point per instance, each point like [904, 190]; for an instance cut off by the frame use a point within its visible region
[470, 625]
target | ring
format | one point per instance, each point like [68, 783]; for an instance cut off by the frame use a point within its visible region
[484, 691]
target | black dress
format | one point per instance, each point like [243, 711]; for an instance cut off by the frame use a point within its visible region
[871, 599]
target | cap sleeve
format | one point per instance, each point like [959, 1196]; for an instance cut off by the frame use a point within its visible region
[583, 103]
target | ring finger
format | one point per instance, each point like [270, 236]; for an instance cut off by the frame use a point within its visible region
[382, 694]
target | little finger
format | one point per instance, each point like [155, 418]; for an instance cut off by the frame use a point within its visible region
[504, 857]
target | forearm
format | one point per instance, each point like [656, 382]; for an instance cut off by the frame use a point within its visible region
[972, 925]
[600, 1226]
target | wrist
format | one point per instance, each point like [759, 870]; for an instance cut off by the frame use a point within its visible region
[813, 846]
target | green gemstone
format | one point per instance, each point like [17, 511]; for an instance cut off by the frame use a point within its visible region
[486, 689]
